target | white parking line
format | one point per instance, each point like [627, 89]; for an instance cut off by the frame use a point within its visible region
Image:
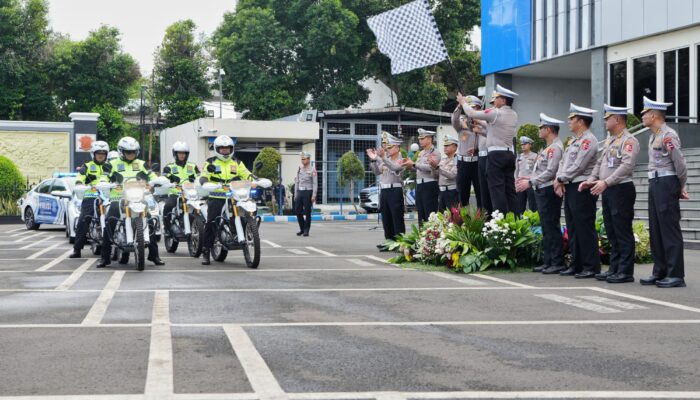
[297, 251]
[23, 238]
[325, 253]
[614, 303]
[159, 378]
[97, 311]
[275, 245]
[499, 280]
[646, 299]
[456, 278]
[361, 263]
[259, 375]
[22, 233]
[375, 258]
[499, 395]
[70, 281]
[578, 303]
[54, 262]
[16, 229]
[41, 252]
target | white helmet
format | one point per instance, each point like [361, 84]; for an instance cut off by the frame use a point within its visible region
[181, 147]
[128, 144]
[223, 141]
[99, 146]
[112, 155]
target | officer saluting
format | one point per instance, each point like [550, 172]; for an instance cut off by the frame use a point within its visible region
[548, 203]
[502, 121]
[612, 177]
[580, 205]
[467, 155]
[667, 179]
[524, 166]
[305, 187]
[386, 164]
[426, 175]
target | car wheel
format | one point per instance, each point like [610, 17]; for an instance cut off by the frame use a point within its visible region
[29, 221]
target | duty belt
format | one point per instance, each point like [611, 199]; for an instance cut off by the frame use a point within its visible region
[305, 188]
[467, 158]
[499, 148]
[660, 174]
[483, 153]
[577, 180]
[448, 187]
[424, 180]
[390, 185]
[542, 186]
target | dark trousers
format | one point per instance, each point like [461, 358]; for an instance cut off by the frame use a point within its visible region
[392, 207]
[426, 200]
[168, 207]
[579, 211]
[448, 199]
[549, 207]
[484, 185]
[112, 217]
[214, 208]
[87, 211]
[618, 213]
[526, 201]
[303, 205]
[468, 176]
[501, 174]
[664, 227]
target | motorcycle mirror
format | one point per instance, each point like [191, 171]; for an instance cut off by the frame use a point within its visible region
[155, 167]
[258, 165]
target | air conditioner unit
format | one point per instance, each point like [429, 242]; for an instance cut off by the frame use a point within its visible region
[210, 113]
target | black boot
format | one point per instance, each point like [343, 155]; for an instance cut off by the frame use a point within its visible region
[76, 254]
[156, 260]
[205, 257]
[102, 263]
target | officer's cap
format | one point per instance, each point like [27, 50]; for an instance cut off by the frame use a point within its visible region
[305, 154]
[451, 140]
[578, 111]
[423, 133]
[546, 120]
[473, 101]
[650, 104]
[501, 91]
[391, 140]
[526, 140]
[610, 111]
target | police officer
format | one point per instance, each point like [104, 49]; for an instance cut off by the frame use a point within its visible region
[612, 177]
[178, 172]
[447, 169]
[386, 164]
[426, 175]
[541, 181]
[502, 120]
[90, 174]
[524, 167]
[467, 155]
[223, 168]
[480, 128]
[125, 167]
[667, 184]
[305, 187]
[579, 203]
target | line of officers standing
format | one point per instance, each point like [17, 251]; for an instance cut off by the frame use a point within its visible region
[483, 157]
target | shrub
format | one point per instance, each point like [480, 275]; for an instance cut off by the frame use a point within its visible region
[12, 183]
[533, 132]
[270, 159]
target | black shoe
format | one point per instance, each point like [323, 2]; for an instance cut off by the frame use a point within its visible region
[554, 269]
[670, 282]
[568, 272]
[156, 260]
[205, 257]
[620, 278]
[540, 268]
[102, 263]
[300, 233]
[651, 280]
[604, 275]
[306, 234]
[76, 254]
[585, 275]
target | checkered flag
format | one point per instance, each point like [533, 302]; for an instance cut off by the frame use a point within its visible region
[409, 36]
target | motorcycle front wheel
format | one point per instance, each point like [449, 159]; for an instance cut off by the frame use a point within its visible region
[251, 249]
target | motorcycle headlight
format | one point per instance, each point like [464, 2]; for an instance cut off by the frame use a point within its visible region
[241, 194]
[134, 195]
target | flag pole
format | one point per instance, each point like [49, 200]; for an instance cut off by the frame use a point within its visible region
[454, 75]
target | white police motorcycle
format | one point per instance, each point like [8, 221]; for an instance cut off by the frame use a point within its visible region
[99, 193]
[187, 218]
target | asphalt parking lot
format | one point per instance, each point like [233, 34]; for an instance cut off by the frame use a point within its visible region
[325, 317]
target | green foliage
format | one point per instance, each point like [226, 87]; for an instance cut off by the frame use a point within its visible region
[632, 121]
[533, 132]
[12, 183]
[111, 125]
[270, 159]
[642, 243]
[350, 168]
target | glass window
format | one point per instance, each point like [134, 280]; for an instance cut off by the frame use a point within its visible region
[644, 81]
[618, 84]
[683, 91]
[579, 25]
[677, 81]
[338, 128]
[366, 129]
[58, 185]
[44, 187]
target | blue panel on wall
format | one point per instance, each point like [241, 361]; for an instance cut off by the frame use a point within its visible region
[505, 34]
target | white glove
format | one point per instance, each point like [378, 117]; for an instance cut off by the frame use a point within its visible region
[211, 186]
[160, 181]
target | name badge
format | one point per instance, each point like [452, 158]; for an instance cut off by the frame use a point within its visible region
[611, 162]
[190, 169]
[135, 167]
[233, 168]
[121, 168]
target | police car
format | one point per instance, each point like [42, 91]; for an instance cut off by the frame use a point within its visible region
[51, 202]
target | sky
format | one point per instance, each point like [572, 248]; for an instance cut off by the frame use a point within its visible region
[141, 22]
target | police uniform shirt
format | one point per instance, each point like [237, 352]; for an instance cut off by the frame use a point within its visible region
[467, 146]
[423, 168]
[177, 173]
[448, 171]
[524, 166]
[91, 173]
[579, 158]
[388, 170]
[547, 164]
[616, 163]
[501, 121]
[306, 179]
[665, 154]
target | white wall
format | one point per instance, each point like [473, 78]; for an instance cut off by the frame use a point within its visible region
[550, 96]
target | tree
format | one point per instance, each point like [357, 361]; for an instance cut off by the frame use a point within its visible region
[180, 70]
[270, 159]
[111, 126]
[12, 183]
[350, 169]
[533, 132]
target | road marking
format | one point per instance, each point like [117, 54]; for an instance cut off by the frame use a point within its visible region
[70, 281]
[646, 299]
[507, 282]
[32, 244]
[362, 263]
[23, 238]
[22, 233]
[297, 251]
[325, 253]
[578, 303]
[275, 245]
[375, 258]
[41, 252]
[17, 229]
[159, 378]
[94, 316]
[456, 278]
[613, 303]
[259, 375]
[54, 262]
